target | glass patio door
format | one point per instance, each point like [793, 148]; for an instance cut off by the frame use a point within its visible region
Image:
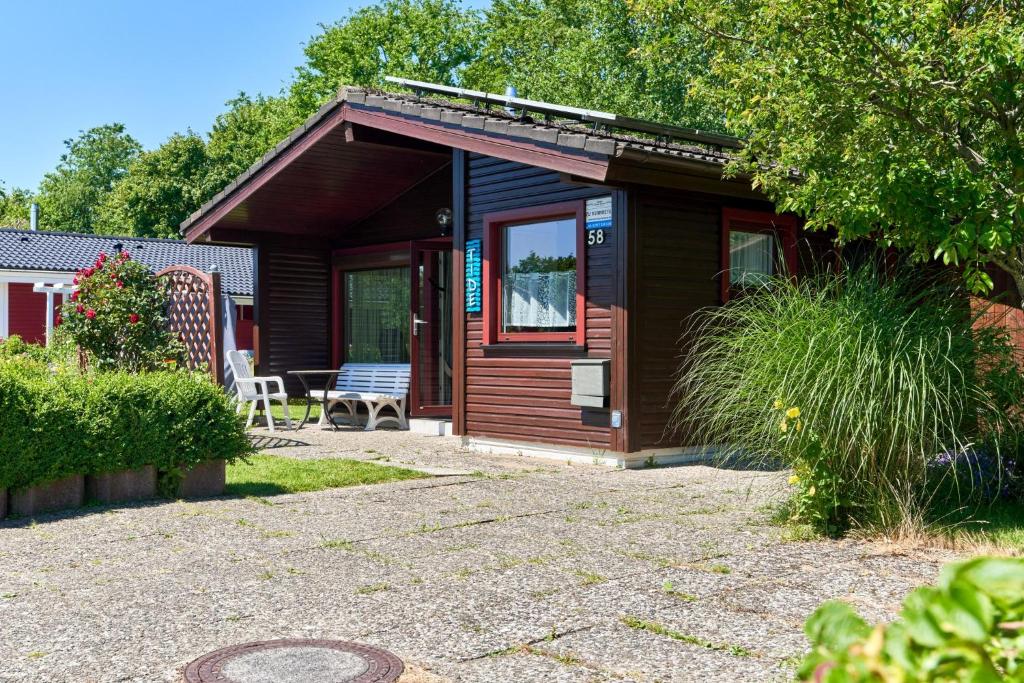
[431, 328]
[377, 315]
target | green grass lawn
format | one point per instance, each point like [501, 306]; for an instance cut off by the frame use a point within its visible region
[266, 475]
[1001, 525]
[296, 408]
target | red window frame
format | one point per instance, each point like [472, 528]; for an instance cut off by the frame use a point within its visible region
[494, 223]
[782, 227]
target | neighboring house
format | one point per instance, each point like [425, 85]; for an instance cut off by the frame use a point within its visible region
[510, 259]
[29, 258]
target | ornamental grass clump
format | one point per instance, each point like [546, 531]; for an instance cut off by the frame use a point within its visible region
[117, 316]
[855, 380]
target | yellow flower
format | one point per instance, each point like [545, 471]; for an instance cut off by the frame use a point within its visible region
[811, 491]
[783, 426]
[798, 426]
[778, 404]
[793, 413]
[793, 479]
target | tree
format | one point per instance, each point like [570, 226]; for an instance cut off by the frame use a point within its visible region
[428, 40]
[70, 195]
[15, 205]
[246, 131]
[534, 263]
[159, 191]
[595, 54]
[891, 119]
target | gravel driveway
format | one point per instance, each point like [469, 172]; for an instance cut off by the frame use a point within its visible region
[517, 570]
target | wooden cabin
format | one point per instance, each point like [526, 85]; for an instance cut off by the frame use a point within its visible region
[509, 255]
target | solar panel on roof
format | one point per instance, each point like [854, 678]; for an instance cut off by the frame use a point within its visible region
[600, 118]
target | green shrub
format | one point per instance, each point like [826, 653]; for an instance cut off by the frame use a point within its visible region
[56, 423]
[885, 371]
[117, 316]
[970, 627]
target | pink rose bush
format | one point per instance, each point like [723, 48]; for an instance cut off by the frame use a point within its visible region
[117, 316]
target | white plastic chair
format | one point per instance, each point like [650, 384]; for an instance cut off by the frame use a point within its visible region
[255, 389]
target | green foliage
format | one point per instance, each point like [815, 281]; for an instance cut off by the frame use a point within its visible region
[595, 54]
[970, 627]
[249, 128]
[428, 40]
[60, 350]
[903, 117]
[15, 206]
[822, 500]
[533, 263]
[14, 347]
[881, 374]
[70, 196]
[159, 191]
[58, 422]
[117, 316]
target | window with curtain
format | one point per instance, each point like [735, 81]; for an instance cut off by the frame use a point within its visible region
[377, 316]
[751, 258]
[538, 276]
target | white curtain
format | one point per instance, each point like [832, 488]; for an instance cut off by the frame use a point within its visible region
[543, 300]
[751, 257]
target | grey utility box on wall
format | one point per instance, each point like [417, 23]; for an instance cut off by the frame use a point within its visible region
[591, 382]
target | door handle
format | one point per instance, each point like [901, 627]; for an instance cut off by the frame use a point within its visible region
[416, 322]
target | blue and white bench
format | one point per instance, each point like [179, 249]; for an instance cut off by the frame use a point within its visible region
[377, 385]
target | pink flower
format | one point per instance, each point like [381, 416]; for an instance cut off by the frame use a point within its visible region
[120, 285]
[79, 308]
[125, 256]
[74, 295]
[102, 257]
[113, 276]
[133, 318]
[74, 280]
[90, 314]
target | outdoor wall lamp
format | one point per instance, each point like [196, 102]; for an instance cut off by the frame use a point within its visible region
[444, 221]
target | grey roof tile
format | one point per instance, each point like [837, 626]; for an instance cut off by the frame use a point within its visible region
[574, 140]
[69, 252]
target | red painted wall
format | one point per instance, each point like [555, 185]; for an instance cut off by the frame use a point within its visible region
[26, 313]
[243, 327]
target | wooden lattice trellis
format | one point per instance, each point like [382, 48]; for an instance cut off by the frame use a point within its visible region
[194, 311]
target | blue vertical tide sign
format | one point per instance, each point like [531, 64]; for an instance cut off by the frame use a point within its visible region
[474, 282]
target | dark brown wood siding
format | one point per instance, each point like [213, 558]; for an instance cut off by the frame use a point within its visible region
[294, 312]
[526, 396]
[678, 265]
[412, 216]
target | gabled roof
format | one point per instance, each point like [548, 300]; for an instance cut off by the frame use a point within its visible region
[69, 252]
[584, 151]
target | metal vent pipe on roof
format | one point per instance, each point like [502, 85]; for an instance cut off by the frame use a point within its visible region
[510, 91]
[33, 223]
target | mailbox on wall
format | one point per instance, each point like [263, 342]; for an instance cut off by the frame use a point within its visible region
[591, 382]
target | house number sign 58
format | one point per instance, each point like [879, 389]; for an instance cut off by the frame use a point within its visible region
[599, 220]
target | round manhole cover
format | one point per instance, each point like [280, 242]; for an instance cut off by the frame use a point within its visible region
[296, 661]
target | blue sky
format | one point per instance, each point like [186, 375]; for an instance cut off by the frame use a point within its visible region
[157, 67]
